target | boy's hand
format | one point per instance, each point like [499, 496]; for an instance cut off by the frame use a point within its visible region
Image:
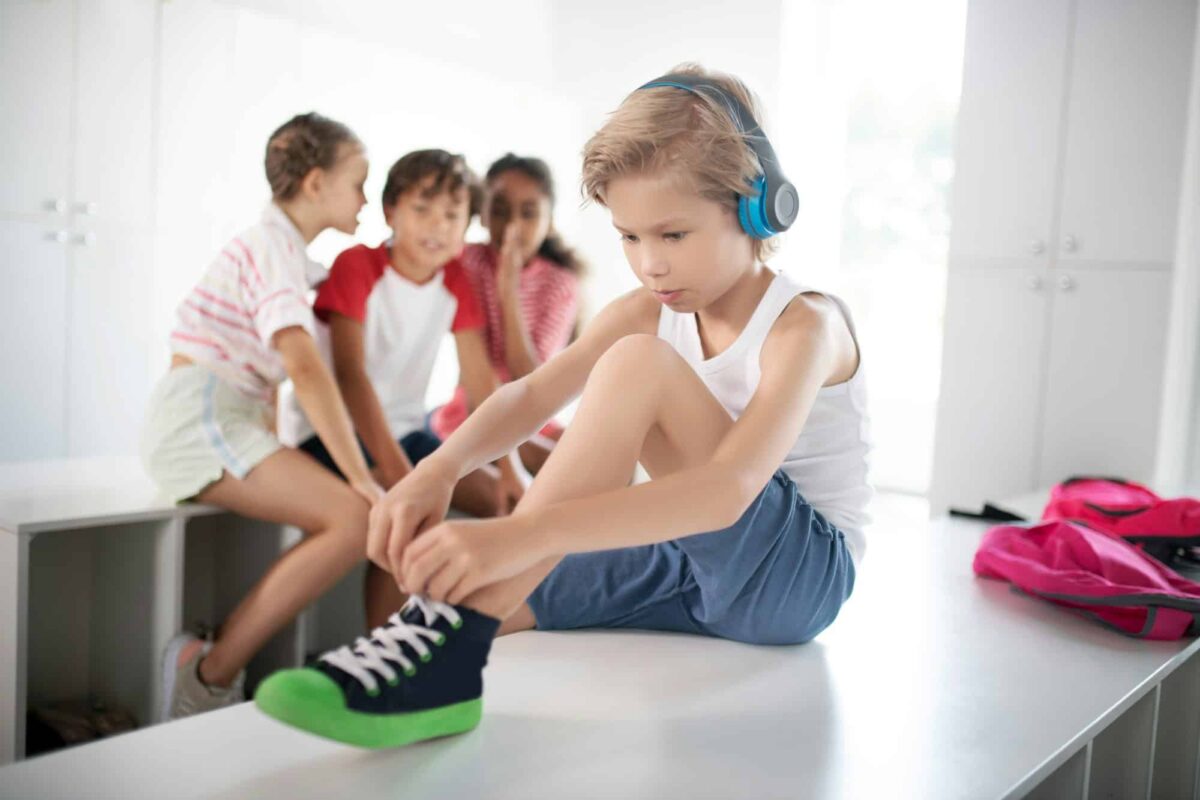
[369, 490]
[411, 506]
[456, 558]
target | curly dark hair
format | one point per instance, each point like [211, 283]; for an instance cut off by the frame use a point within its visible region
[553, 248]
[450, 174]
[303, 143]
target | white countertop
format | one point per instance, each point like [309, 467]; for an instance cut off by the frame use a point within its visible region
[933, 683]
[51, 495]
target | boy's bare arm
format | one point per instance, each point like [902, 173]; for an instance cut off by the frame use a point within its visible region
[349, 365]
[515, 411]
[802, 352]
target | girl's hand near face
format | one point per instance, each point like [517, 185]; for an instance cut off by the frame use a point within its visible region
[510, 262]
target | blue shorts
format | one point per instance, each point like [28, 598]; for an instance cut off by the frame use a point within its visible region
[779, 575]
[416, 445]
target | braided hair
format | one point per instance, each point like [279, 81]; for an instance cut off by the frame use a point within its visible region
[303, 143]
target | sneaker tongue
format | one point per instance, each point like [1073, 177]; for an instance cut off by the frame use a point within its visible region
[413, 615]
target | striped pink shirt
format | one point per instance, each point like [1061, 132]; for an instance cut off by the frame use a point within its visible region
[549, 297]
[255, 287]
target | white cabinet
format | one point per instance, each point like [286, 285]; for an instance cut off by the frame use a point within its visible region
[990, 398]
[76, 223]
[1008, 128]
[33, 267]
[1065, 204]
[1126, 116]
[35, 94]
[1104, 370]
[114, 137]
[110, 302]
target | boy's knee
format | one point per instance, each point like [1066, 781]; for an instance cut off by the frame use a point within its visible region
[642, 353]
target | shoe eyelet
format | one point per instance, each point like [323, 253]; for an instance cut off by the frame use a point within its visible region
[394, 681]
[408, 673]
[456, 624]
[426, 658]
[373, 692]
[440, 641]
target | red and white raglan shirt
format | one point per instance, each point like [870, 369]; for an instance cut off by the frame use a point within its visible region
[403, 326]
[255, 287]
[549, 298]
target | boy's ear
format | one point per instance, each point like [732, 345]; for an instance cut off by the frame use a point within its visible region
[388, 212]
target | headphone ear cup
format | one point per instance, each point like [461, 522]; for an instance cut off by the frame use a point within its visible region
[752, 214]
[744, 215]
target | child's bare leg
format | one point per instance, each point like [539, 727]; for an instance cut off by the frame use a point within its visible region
[381, 596]
[475, 494]
[535, 452]
[290, 488]
[642, 402]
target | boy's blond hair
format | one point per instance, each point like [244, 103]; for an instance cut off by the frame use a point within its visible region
[689, 134]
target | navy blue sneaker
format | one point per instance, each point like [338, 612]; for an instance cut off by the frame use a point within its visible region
[418, 677]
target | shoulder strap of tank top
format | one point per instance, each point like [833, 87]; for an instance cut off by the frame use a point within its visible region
[778, 295]
[788, 289]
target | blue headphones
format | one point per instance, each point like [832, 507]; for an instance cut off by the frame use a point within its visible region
[771, 203]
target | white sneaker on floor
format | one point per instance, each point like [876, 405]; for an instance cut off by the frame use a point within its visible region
[184, 694]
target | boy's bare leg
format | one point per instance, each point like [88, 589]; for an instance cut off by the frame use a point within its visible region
[642, 402]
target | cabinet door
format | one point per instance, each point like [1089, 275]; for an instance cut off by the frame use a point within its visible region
[1006, 145]
[108, 351]
[33, 325]
[111, 290]
[36, 43]
[985, 444]
[1105, 372]
[113, 132]
[1126, 115]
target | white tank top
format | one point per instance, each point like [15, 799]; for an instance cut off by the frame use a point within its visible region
[828, 461]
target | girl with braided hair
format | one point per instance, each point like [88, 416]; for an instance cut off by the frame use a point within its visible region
[208, 436]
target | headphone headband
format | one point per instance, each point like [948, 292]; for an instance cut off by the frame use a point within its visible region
[773, 201]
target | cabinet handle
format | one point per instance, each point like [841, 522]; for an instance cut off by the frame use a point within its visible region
[1066, 283]
[1034, 283]
[1037, 247]
[56, 204]
[86, 207]
[58, 237]
[85, 239]
[1071, 244]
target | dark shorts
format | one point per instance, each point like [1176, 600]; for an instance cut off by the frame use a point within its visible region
[779, 575]
[416, 445]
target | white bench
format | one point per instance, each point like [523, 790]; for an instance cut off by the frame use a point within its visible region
[97, 572]
[932, 684]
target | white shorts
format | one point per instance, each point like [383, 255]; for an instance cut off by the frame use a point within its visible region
[197, 427]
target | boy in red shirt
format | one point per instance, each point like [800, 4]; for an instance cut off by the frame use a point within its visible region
[384, 311]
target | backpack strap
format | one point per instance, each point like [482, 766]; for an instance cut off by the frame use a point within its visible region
[990, 512]
[1081, 478]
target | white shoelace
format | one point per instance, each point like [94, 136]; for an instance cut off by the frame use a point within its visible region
[371, 655]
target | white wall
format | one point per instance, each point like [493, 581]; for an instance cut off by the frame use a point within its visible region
[403, 79]
[533, 77]
[603, 51]
[1178, 466]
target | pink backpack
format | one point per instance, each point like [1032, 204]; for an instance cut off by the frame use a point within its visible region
[1163, 528]
[1097, 574]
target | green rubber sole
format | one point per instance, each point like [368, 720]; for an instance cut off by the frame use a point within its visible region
[311, 701]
